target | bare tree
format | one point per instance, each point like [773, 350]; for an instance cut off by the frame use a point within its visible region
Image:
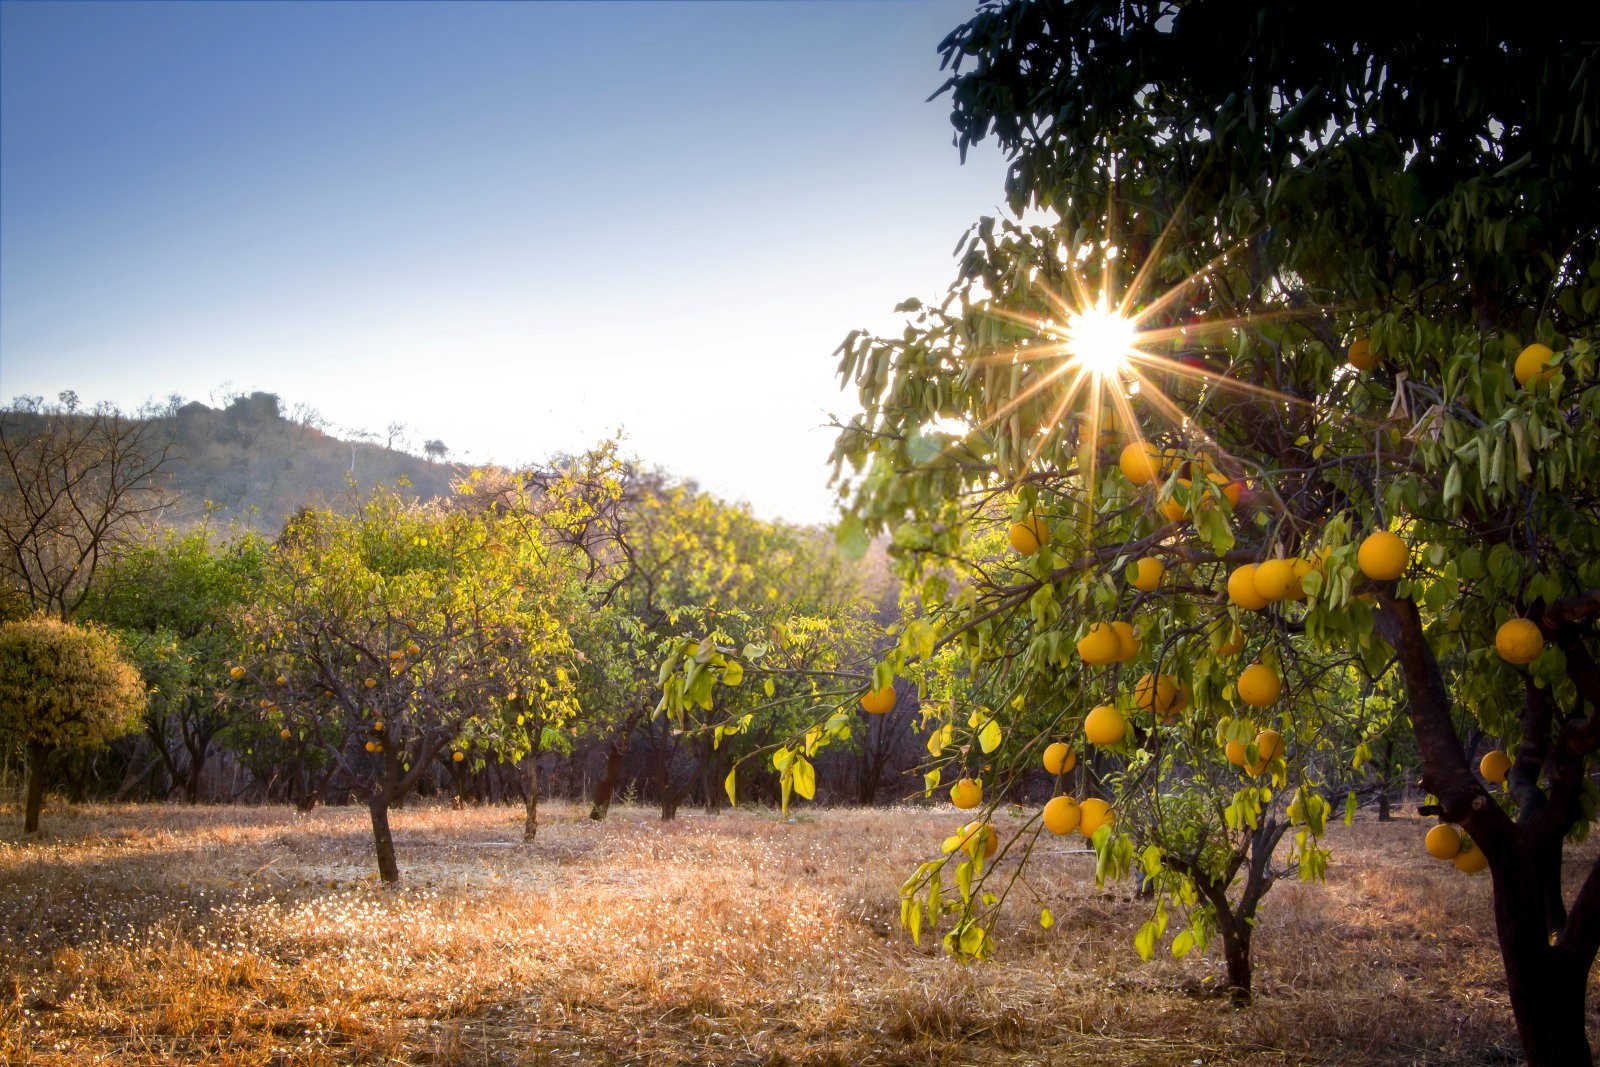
[436, 450]
[73, 485]
[395, 431]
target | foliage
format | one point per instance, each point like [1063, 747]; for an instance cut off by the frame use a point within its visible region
[65, 685]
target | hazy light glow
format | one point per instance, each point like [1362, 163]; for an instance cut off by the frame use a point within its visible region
[1100, 340]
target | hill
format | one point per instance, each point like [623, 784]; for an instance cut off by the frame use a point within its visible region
[247, 462]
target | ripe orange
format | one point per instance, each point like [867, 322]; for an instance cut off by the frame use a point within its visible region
[236, 673]
[1139, 462]
[458, 756]
[1518, 641]
[1173, 508]
[1382, 556]
[1361, 355]
[1495, 765]
[1443, 842]
[1242, 588]
[1259, 685]
[1148, 574]
[1302, 567]
[879, 701]
[1530, 365]
[1160, 694]
[284, 734]
[1028, 535]
[1231, 641]
[1104, 725]
[1274, 579]
[967, 793]
[1269, 743]
[1470, 859]
[1061, 815]
[371, 683]
[1100, 645]
[1093, 814]
[1128, 643]
[976, 835]
[1236, 753]
[1059, 758]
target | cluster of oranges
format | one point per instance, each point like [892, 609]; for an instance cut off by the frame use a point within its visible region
[1531, 368]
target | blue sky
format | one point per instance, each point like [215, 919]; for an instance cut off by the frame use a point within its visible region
[516, 227]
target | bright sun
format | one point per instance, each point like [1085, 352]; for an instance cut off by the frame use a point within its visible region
[1100, 340]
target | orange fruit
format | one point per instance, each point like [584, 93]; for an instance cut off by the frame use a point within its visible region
[458, 756]
[236, 673]
[1274, 579]
[1028, 535]
[1093, 814]
[1361, 355]
[1259, 685]
[1147, 574]
[1236, 753]
[1061, 815]
[1382, 556]
[1269, 743]
[1139, 462]
[1173, 508]
[284, 734]
[1443, 842]
[1530, 365]
[1059, 758]
[1128, 643]
[1229, 639]
[879, 701]
[1242, 588]
[1158, 693]
[1470, 859]
[1495, 765]
[1104, 725]
[976, 835]
[1100, 645]
[1518, 641]
[967, 793]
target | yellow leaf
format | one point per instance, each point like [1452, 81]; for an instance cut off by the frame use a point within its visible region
[805, 778]
[989, 737]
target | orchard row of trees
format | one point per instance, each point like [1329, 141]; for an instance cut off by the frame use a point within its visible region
[442, 646]
[1289, 413]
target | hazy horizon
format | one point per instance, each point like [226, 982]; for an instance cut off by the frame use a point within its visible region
[515, 228]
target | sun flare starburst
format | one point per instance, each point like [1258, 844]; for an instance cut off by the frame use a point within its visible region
[1095, 348]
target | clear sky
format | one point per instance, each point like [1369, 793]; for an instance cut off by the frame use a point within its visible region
[516, 227]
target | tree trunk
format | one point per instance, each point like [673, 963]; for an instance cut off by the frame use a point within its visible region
[1383, 804]
[530, 781]
[388, 870]
[1547, 982]
[608, 782]
[1236, 950]
[37, 756]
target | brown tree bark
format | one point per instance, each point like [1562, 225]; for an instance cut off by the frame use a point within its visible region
[382, 840]
[38, 754]
[530, 798]
[608, 781]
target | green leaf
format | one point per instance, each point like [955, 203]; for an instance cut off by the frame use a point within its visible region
[733, 673]
[1183, 944]
[805, 778]
[1144, 942]
[852, 535]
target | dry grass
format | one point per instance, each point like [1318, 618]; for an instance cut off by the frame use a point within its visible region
[237, 935]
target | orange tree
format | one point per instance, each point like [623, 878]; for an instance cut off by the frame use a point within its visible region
[62, 686]
[756, 626]
[172, 597]
[382, 637]
[1362, 259]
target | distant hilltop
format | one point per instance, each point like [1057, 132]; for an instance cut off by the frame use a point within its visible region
[250, 463]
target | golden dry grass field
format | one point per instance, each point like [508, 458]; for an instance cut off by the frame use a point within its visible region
[157, 934]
